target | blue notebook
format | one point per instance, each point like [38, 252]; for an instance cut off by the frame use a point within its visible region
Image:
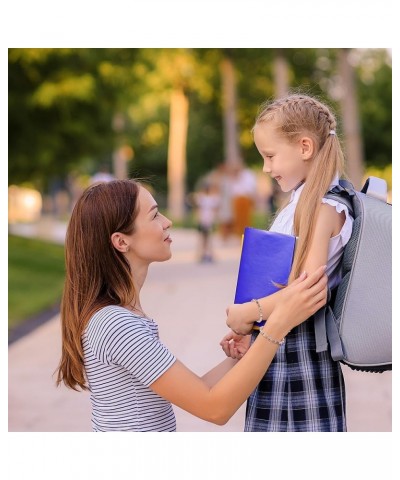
[265, 263]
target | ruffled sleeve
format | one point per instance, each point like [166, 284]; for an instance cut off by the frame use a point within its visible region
[344, 235]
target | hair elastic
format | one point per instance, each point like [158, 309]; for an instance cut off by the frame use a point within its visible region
[332, 132]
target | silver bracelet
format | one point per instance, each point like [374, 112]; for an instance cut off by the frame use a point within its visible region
[270, 339]
[260, 313]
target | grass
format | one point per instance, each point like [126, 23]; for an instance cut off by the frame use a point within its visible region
[36, 273]
[35, 277]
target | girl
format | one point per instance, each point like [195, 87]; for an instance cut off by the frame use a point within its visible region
[111, 347]
[302, 390]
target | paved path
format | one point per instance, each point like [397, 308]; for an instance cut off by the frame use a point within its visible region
[188, 300]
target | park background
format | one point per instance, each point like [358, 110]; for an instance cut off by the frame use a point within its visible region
[155, 156]
[173, 117]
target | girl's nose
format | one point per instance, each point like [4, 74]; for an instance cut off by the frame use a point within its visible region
[167, 223]
[267, 165]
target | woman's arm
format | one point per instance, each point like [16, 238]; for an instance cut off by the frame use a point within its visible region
[215, 374]
[217, 404]
[329, 223]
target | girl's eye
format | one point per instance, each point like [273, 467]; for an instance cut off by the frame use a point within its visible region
[156, 214]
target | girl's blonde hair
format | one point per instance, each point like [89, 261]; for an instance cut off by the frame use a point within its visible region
[96, 273]
[294, 116]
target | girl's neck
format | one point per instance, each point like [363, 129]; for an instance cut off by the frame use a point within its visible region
[299, 185]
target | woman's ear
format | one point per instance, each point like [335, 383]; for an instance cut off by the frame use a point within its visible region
[307, 148]
[119, 243]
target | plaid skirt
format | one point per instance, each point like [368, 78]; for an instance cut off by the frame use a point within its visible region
[302, 390]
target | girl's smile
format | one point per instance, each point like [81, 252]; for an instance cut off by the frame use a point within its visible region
[285, 162]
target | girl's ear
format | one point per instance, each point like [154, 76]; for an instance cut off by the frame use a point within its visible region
[307, 148]
[119, 243]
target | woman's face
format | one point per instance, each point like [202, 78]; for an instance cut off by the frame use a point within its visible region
[151, 241]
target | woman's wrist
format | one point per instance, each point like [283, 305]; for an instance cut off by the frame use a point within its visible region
[276, 327]
[270, 339]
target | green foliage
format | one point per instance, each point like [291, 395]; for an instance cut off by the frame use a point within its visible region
[35, 277]
[375, 103]
[69, 109]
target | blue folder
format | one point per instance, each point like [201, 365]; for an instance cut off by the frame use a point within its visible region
[265, 263]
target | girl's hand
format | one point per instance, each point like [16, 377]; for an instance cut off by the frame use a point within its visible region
[237, 321]
[235, 346]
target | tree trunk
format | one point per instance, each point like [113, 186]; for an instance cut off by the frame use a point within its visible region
[231, 144]
[178, 126]
[281, 73]
[351, 120]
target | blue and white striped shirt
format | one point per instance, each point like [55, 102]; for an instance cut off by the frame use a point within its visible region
[123, 356]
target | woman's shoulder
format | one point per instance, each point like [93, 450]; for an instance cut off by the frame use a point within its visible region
[113, 317]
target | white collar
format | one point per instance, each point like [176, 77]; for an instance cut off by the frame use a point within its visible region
[297, 191]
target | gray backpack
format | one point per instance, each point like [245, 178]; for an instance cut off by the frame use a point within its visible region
[357, 320]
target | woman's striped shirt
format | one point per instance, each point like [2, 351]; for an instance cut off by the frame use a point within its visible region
[123, 356]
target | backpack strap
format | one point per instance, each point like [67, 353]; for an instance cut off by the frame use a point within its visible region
[343, 193]
[326, 329]
[325, 326]
[321, 338]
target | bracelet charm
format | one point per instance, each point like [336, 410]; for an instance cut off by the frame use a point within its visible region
[260, 313]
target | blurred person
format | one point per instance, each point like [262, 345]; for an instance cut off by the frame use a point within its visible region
[112, 347]
[244, 189]
[59, 196]
[223, 177]
[103, 175]
[206, 202]
[76, 185]
[278, 198]
[302, 390]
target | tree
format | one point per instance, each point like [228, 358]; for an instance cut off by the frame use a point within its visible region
[178, 127]
[281, 73]
[63, 104]
[351, 119]
[232, 153]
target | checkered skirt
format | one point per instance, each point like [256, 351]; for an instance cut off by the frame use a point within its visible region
[302, 390]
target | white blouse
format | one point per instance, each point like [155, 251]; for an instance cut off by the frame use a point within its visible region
[283, 223]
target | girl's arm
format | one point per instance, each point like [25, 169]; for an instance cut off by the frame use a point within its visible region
[240, 317]
[218, 403]
[329, 223]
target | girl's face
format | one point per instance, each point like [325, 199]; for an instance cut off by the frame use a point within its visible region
[151, 241]
[288, 163]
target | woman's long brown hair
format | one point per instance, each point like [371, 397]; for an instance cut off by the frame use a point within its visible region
[96, 273]
[295, 116]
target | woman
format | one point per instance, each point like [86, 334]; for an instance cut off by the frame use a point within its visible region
[111, 347]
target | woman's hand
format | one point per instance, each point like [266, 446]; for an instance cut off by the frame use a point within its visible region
[235, 346]
[302, 298]
[237, 319]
